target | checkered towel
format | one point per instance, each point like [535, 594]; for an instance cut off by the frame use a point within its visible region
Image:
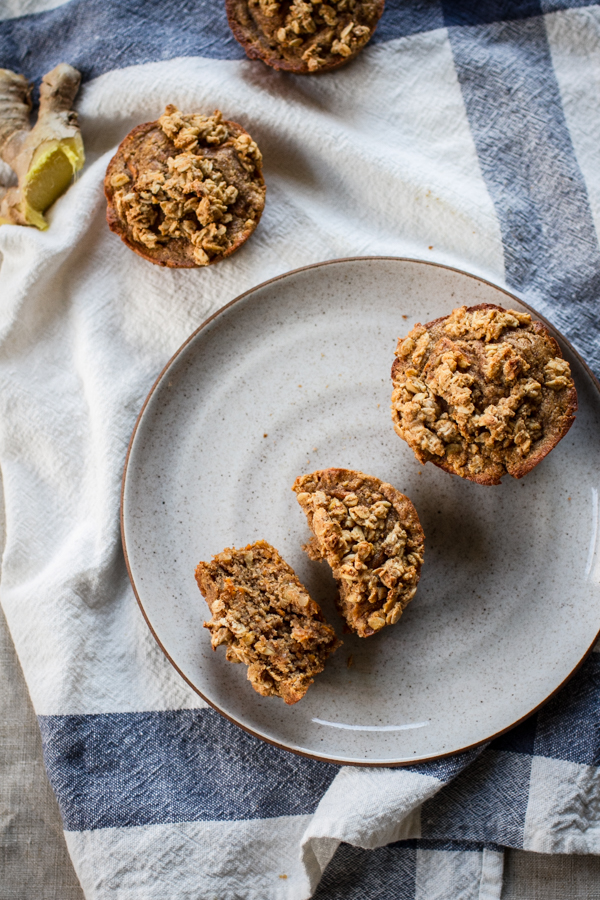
[467, 132]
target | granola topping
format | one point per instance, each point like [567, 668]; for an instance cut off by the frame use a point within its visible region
[306, 18]
[314, 33]
[266, 619]
[471, 390]
[370, 535]
[191, 195]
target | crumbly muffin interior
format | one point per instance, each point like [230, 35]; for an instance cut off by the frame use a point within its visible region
[266, 619]
[308, 35]
[190, 181]
[482, 392]
[370, 535]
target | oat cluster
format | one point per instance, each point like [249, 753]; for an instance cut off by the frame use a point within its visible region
[311, 33]
[266, 619]
[193, 192]
[304, 19]
[370, 535]
[482, 392]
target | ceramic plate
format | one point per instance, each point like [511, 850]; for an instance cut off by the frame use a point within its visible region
[295, 376]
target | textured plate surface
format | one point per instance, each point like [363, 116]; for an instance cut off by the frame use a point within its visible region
[295, 376]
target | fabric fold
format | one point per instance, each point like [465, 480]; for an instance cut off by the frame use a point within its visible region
[421, 148]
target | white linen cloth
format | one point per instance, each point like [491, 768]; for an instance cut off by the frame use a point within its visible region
[386, 157]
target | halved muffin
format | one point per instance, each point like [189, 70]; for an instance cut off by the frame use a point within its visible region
[370, 535]
[267, 620]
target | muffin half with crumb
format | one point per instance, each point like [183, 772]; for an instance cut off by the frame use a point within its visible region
[266, 619]
[302, 36]
[370, 535]
[186, 190]
[482, 392]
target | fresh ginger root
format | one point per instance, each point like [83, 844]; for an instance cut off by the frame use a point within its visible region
[44, 158]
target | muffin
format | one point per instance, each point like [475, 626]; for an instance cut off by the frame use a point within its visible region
[370, 535]
[266, 619]
[304, 35]
[186, 190]
[482, 392]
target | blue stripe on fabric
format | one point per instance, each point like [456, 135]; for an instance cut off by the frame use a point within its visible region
[387, 873]
[471, 12]
[401, 19]
[128, 769]
[98, 36]
[520, 739]
[485, 803]
[448, 768]
[569, 725]
[528, 162]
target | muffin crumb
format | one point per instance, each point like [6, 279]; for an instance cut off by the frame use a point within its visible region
[266, 619]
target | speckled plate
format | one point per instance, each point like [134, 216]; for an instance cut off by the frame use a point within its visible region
[294, 376]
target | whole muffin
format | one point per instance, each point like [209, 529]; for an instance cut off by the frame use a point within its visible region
[482, 392]
[304, 35]
[370, 535]
[186, 190]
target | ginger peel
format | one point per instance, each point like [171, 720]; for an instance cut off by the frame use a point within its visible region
[44, 158]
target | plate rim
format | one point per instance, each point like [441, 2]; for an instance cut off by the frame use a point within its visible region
[298, 752]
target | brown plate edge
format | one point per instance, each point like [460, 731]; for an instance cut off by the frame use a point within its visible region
[340, 762]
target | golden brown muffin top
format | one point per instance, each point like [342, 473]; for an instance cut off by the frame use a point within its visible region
[482, 392]
[186, 190]
[303, 36]
[370, 535]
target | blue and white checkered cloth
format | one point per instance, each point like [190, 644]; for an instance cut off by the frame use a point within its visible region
[467, 132]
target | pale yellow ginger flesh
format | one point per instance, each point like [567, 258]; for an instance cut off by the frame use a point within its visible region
[482, 392]
[46, 157]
